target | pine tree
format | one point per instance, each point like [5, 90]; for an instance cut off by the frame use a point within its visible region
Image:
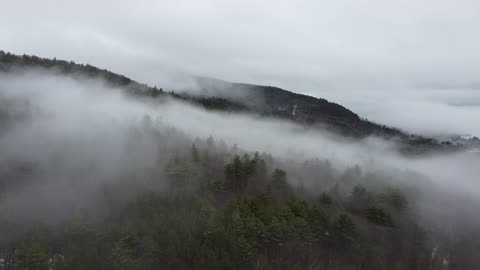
[235, 175]
[195, 154]
[344, 227]
[32, 256]
[279, 180]
[325, 199]
[379, 216]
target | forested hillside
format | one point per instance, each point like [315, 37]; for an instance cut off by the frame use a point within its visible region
[207, 205]
[93, 178]
[265, 101]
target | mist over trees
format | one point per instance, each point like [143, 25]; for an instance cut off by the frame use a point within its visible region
[94, 179]
[206, 205]
[265, 101]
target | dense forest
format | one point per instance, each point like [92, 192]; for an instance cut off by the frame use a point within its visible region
[97, 190]
[232, 216]
[207, 205]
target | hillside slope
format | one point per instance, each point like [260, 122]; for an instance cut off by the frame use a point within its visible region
[266, 101]
[303, 109]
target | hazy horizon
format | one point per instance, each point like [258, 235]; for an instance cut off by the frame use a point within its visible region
[99, 172]
[405, 54]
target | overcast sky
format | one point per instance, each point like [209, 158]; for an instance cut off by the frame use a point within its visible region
[343, 50]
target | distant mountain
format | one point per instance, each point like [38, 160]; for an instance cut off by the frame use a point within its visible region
[307, 110]
[265, 101]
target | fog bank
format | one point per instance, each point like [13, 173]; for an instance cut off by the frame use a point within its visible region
[86, 132]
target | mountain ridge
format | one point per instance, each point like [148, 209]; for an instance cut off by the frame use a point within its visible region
[266, 101]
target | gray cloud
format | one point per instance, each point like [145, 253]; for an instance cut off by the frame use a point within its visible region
[423, 111]
[328, 49]
[77, 136]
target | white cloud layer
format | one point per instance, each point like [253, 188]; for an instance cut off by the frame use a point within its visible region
[396, 53]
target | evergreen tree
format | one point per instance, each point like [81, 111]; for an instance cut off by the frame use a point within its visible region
[379, 216]
[325, 199]
[195, 154]
[32, 256]
[344, 228]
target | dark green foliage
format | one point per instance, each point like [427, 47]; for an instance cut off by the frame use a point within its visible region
[379, 216]
[319, 222]
[344, 228]
[279, 180]
[195, 154]
[206, 205]
[224, 227]
[179, 171]
[325, 199]
[239, 172]
[394, 198]
[125, 252]
[235, 175]
[222, 208]
[359, 193]
[32, 255]
[360, 198]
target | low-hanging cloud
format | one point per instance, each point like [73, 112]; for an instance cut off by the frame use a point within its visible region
[432, 112]
[341, 50]
[306, 45]
[80, 135]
